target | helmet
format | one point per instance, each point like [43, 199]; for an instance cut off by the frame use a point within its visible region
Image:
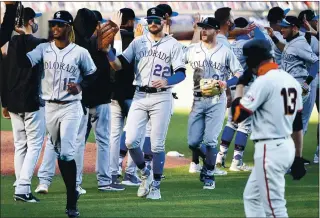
[257, 50]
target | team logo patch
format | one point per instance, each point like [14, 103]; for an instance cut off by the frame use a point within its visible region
[250, 97]
[153, 11]
[58, 15]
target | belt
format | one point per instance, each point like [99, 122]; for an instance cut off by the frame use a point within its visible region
[148, 89]
[258, 140]
[199, 94]
[59, 102]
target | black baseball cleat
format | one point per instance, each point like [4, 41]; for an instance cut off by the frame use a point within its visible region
[72, 213]
[26, 198]
[305, 161]
[203, 173]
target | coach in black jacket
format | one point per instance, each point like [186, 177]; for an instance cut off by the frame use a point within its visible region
[21, 97]
[122, 95]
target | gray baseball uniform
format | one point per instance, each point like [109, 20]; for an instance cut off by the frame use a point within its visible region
[63, 110]
[153, 61]
[207, 115]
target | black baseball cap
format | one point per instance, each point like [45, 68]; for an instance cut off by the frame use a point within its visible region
[99, 16]
[128, 14]
[155, 13]
[28, 14]
[241, 22]
[310, 15]
[168, 10]
[290, 21]
[63, 17]
[275, 14]
[210, 22]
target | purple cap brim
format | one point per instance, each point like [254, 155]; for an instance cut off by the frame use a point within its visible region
[58, 20]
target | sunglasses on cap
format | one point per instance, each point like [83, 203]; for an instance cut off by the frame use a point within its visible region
[154, 20]
[55, 23]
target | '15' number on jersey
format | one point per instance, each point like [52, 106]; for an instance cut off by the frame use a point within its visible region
[289, 100]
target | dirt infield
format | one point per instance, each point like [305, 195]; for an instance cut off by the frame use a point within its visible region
[7, 157]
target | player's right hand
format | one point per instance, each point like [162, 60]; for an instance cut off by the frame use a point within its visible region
[138, 31]
[270, 31]
[298, 169]
[73, 88]
[5, 113]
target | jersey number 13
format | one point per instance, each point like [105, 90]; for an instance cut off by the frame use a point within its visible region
[289, 100]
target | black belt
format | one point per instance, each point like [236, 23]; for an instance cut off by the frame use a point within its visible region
[258, 140]
[148, 89]
[199, 94]
[59, 102]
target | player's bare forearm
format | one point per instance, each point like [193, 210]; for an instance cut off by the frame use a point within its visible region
[196, 36]
[280, 46]
[239, 91]
[297, 137]
[116, 64]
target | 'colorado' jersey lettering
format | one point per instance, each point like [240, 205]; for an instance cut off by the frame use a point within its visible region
[61, 66]
[154, 60]
[216, 63]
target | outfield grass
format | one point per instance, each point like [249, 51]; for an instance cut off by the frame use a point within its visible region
[182, 193]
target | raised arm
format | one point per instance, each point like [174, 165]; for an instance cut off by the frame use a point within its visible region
[7, 25]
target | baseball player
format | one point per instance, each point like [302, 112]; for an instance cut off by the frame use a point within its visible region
[153, 55]
[275, 101]
[20, 97]
[296, 57]
[275, 16]
[308, 17]
[210, 60]
[67, 68]
[243, 129]
[225, 18]
[310, 22]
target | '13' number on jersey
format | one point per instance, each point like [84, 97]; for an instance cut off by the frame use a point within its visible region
[289, 100]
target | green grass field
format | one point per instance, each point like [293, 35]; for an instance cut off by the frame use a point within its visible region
[182, 194]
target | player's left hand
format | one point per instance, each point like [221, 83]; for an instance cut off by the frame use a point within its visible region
[161, 83]
[305, 88]
[298, 169]
[73, 88]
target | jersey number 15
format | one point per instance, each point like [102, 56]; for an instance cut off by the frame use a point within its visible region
[289, 100]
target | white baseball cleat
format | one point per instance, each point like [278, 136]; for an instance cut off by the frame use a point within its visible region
[316, 159]
[81, 190]
[209, 184]
[234, 166]
[194, 168]
[154, 193]
[42, 189]
[219, 172]
[245, 167]
[144, 187]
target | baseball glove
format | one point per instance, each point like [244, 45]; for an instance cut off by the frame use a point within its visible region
[211, 87]
[105, 34]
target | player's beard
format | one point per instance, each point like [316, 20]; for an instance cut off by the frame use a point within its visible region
[156, 31]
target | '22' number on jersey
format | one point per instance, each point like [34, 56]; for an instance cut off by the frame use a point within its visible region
[162, 71]
[289, 100]
[66, 81]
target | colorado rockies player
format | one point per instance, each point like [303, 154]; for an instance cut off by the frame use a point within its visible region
[275, 16]
[210, 60]
[243, 129]
[225, 18]
[67, 68]
[296, 57]
[153, 55]
[275, 101]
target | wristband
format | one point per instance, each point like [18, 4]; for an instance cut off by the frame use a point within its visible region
[309, 79]
[275, 39]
